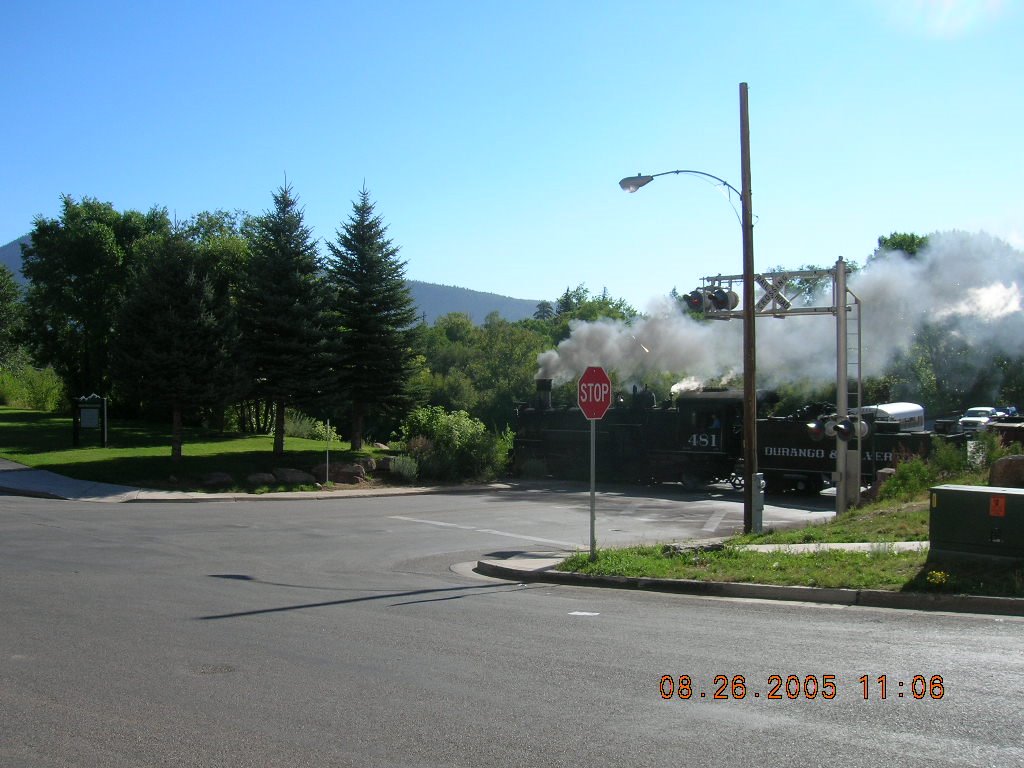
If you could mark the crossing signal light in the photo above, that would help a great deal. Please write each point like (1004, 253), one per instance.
(816, 430)
(711, 300)
(722, 299)
(696, 301)
(845, 430)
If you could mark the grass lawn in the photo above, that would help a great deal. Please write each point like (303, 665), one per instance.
(882, 522)
(139, 454)
(880, 568)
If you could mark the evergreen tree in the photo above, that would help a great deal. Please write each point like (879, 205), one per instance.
(374, 316)
(545, 311)
(176, 332)
(281, 309)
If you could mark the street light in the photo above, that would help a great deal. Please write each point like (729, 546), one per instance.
(632, 184)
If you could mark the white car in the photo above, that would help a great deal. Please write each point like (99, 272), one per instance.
(978, 418)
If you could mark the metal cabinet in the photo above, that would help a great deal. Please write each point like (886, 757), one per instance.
(977, 520)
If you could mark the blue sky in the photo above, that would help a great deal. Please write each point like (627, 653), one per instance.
(492, 134)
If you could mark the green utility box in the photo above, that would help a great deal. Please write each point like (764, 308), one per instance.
(977, 520)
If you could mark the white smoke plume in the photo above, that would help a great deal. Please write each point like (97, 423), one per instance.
(971, 282)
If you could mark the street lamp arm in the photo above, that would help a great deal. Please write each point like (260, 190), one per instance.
(633, 183)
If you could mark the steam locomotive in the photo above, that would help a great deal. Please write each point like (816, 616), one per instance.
(697, 439)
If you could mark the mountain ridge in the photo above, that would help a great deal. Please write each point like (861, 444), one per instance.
(432, 299)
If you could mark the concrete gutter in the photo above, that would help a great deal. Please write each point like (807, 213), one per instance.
(20, 480)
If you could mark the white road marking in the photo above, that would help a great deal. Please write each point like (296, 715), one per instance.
(583, 613)
(433, 522)
(714, 521)
(565, 544)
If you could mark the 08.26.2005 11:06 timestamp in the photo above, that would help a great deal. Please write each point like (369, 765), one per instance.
(793, 687)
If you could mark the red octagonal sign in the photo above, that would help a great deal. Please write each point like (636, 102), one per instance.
(594, 393)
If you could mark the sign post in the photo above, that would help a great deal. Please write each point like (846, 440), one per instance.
(594, 396)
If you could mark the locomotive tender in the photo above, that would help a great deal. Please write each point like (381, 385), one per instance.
(697, 439)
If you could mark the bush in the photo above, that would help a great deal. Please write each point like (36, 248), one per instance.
(987, 448)
(454, 446)
(405, 467)
(947, 459)
(324, 433)
(910, 479)
(37, 389)
(298, 424)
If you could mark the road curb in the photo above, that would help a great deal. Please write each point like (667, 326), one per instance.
(158, 497)
(31, 493)
(129, 495)
(869, 598)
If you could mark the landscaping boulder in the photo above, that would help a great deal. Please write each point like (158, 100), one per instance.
(367, 462)
(340, 473)
(216, 480)
(257, 479)
(1007, 472)
(293, 476)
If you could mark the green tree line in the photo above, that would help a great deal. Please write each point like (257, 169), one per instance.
(223, 317)
(234, 319)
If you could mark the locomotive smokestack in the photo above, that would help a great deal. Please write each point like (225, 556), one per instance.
(544, 394)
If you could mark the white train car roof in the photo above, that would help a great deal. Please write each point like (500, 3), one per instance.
(905, 413)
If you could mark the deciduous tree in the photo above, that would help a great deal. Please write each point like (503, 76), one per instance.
(78, 267)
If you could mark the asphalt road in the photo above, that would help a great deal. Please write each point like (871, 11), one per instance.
(338, 633)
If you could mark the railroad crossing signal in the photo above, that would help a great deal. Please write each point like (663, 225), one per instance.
(713, 299)
(844, 429)
(594, 393)
(773, 291)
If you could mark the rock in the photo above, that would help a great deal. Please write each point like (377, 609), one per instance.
(216, 480)
(367, 462)
(260, 478)
(340, 473)
(381, 447)
(1007, 472)
(384, 463)
(293, 476)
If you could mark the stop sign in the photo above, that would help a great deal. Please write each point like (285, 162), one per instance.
(594, 393)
